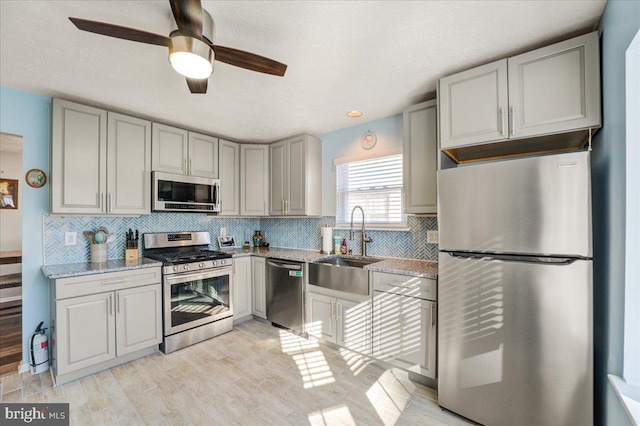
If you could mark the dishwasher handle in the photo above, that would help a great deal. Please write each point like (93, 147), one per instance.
(294, 267)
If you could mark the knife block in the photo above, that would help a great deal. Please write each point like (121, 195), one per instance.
(131, 255)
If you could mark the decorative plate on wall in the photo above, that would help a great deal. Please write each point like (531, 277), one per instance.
(35, 178)
(368, 140)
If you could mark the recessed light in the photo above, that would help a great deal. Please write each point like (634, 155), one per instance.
(354, 114)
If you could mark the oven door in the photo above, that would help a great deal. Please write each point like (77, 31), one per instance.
(194, 299)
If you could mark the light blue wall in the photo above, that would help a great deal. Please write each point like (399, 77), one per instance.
(30, 115)
(618, 26)
(346, 143)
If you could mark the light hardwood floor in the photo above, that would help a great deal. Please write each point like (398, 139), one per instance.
(255, 375)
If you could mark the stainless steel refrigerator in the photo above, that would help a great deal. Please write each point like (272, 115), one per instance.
(515, 336)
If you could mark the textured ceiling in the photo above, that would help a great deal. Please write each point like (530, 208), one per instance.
(374, 56)
(10, 143)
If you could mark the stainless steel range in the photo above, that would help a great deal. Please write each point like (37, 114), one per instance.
(197, 287)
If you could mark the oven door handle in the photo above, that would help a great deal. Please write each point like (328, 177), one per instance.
(183, 278)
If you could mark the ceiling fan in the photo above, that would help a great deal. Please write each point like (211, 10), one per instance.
(191, 48)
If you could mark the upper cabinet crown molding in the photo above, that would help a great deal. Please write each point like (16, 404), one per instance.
(420, 153)
(296, 176)
(179, 151)
(100, 161)
(551, 90)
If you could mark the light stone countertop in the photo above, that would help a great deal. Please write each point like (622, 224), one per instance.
(77, 269)
(412, 267)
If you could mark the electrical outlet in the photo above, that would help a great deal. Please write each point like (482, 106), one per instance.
(70, 238)
(223, 232)
(432, 237)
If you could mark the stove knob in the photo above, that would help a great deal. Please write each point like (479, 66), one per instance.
(201, 265)
(185, 268)
(214, 263)
(175, 269)
(223, 262)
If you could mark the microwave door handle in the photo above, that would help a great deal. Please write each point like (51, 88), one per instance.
(218, 195)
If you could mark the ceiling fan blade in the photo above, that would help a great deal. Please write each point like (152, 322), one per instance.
(188, 16)
(197, 86)
(249, 61)
(118, 31)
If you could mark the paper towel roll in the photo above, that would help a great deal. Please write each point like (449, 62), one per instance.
(327, 239)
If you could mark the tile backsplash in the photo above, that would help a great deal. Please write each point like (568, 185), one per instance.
(303, 233)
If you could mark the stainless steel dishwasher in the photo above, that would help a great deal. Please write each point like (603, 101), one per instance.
(285, 294)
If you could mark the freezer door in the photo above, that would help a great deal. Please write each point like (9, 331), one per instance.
(515, 341)
(538, 205)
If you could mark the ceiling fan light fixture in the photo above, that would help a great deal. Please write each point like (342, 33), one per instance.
(191, 57)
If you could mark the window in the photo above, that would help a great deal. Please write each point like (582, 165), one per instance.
(375, 185)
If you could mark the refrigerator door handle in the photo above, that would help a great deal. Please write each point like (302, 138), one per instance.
(515, 258)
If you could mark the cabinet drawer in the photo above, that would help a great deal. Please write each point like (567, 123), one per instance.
(423, 288)
(110, 281)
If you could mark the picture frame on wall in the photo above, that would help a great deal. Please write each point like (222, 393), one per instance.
(8, 193)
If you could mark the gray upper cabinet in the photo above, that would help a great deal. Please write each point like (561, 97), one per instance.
(128, 165)
(170, 149)
(229, 153)
(179, 151)
(78, 158)
(101, 161)
(554, 89)
(296, 177)
(420, 150)
(473, 106)
(254, 180)
(203, 155)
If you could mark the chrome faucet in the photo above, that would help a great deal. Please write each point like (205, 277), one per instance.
(365, 239)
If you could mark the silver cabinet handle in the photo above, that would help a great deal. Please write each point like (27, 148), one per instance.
(337, 305)
(503, 129)
(185, 167)
(404, 201)
(286, 203)
(118, 302)
(333, 305)
(116, 281)
(110, 204)
(102, 201)
(283, 210)
(431, 326)
(111, 304)
(190, 165)
(513, 120)
(400, 284)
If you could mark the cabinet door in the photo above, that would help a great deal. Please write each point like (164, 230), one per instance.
(295, 181)
(230, 178)
(321, 314)
(241, 287)
(277, 173)
(203, 155)
(78, 158)
(420, 153)
(404, 332)
(555, 88)
(473, 106)
(254, 180)
(128, 165)
(86, 331)
(138, 318)
(258, 278)
(169, 149)
(354, 325)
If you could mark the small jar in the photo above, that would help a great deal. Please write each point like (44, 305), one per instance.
(257, 239)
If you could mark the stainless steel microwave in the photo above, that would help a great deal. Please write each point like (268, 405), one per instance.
(182, 193)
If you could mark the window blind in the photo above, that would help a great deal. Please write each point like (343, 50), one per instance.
(375, 185)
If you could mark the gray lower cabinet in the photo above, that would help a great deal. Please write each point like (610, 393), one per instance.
(98, 321)
(241, 291)
(258, 279)
(340, 320)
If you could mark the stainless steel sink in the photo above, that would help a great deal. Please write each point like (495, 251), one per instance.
(341, 273)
